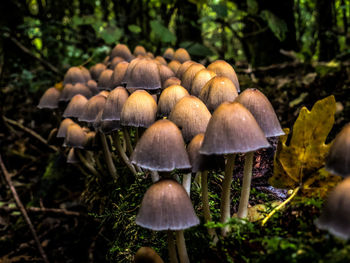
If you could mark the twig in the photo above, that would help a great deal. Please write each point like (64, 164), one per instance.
(22, 209)
(43, 210)
(31, 132)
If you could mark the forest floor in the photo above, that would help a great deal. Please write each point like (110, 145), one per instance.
(83, 219)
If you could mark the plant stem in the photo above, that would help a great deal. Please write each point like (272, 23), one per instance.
(226, 192)
(181, 247)
(247, 179)
(171, 247)
(295, 191)
(122, 153)
(186, 183)
(86, 163)
(108, 157)
(128, 141)
(205, 201)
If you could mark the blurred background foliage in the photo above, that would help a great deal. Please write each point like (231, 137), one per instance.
(54, 35)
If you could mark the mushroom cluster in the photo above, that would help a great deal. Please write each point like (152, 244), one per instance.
(156, 115)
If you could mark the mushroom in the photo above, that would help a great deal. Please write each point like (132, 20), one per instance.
(75, 136)
(171, 81)
(139, 50)
(335, 216)
(74, 75)
(92, 85)
(49, 100)
(147, 255)
(86, 73)
(75, 107)
(181, 55)
(118, 74)
(169, 53)
(191, 116)
(338, 159)
(222, 68)
(62, 130)
(123, 51)
(71, 157)
(189, 74)
(200, 79)
(169, 97)
(92, 108)
(115, 61)
(174, 65)
(233, 129)
(69, 91)
(184, 66)
(216, 91)
(96, 70)
(161, 60)
(105, 80)
(165, 73)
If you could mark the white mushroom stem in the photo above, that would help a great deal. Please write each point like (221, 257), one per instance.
(155, 176)
(226, 193)
(86, 163)
(181, 247)
(108, 157)
(171, 247)
(122, 153)
(186, 183)
(127, 141)
(247, 178)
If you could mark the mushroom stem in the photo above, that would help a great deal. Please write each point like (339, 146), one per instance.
(205, 201)
(171, 247)
(247, 178)
(127, 140)
(86, 163)
(181, 247)
(226, 191)
(108, 157)
(155, 176)
(186, 183)
(122, 153)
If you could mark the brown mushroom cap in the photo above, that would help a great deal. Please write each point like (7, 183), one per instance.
(49, 100)
(114, 104)
(62, 130)
(123, 51)
(222, 68)
(171, 81)
(216, 91)
(174, 65)
(338, 159)
(181, 55)
(139, 110)
(69, 91)
(74, 75)
(232, 129)
(189, 74)
(105, 80)
(92, 85)
(104, 93)
(140, 50)
(200, 79)
(150, 55)
(96, 70)
(147, 255)
(92, 108)
(169, 53)
(182, 69)
(165, 73)
(118, 74)
(161, 60)
(75, 107)
(169, 97)
(144, 75)
(191, 116)
(201, 162)
(115, 61)
(166, 205)
(336, 215)
(75, 137)
(262, 110)
(161, 148)
(86, 73)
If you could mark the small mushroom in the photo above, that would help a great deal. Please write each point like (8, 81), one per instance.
(75, 137)
(139, 50)
(105, 80)
(69, 91)
(118, 74)
(184, 66)
(161, 60)
(96, 70)
(181, 55)
(114, 104)
(174, 65)
(189, 74)
(92, 108)
(74, 75)
(62, 130)
(224, 69)
(200, 79)
(115, 61)
(123, 51)
(147, 255)
(75, 107)
(169, 53)
(169, 97)
(171, 81)
(50, 99)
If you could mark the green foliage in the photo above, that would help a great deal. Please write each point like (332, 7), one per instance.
(161, 32)
(277, 25)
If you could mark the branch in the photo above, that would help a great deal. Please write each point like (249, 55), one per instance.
(31, 132)
(22, 209)
(44, 210)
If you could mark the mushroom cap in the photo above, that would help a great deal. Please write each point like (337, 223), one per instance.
(169, 53)
(189, 74)
(92, 85)
(115, 61)
(140, 50)
(75, 107)
(71, 157)
(222, 68)
(92, 108)
(50, 98)
(174, 65)
(147, 255)
(169, 97)
(105, 80)
(150, 55)
(139, 110)
(181, 55)
(184, 66)
(165, 73)
(161, 60)
(69, 91)
(336, 215)
(232, 129)
(86, 73)
(75, 137)
(166, 206)
(191, 116)
(114, 104)
(96, 70)
(123, 51)
(161, 148)
(216, 91)
(338, 159)
(201, 162)
(171, 81)
(104, 93)
(262, 110)
(62, 130)
(144, 75)
(74, 75)
(200, 79)
(118, 74)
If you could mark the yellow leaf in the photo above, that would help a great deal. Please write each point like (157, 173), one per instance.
(298, 163)
(59, 85)
(258, 212)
